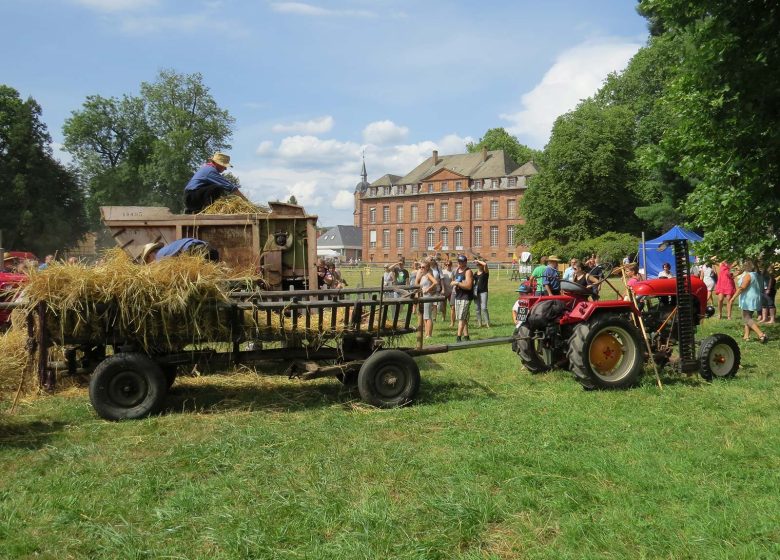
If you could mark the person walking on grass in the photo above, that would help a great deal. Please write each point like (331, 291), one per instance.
(724, 289)
(481, 277)
(749, 294)
(462, 284)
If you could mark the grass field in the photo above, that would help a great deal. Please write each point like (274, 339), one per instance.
(490, 463)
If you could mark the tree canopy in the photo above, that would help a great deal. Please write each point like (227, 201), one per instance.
(41, 205)
(142, 150)
(500, 139)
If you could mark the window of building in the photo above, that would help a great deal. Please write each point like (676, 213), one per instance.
(477, 236)
(458, 185)
(510, 236)
(444, 210)
(399, 238)
(458, 210)
(477, 209)
(430, 211)
(431, 238)
(511, 208)
(372, 215)
(414, 238)
(477, 184)
(444, 237)
(387, 190)
(494, 209)
(399, 214)
(385, 238)
(385, 214)
(430, 187)
(494, 184)
(512, 182)
(415, 215)
(494, 236)
(459, 237)
(444, 187)
(415, 189)
(372, 238)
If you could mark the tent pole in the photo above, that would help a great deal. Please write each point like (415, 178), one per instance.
(644, 254)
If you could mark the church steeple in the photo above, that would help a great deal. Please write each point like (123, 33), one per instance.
(363, 174)
(362, 186)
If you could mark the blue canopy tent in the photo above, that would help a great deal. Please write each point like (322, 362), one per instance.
(656, 259)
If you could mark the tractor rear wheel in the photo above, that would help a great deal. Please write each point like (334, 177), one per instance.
(528, 350)
(606, 353)
(719, 356)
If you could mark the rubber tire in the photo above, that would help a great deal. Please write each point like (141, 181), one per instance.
(708, 346)
(579, 351)
(527, 353)
(389, 362)
(136, 369)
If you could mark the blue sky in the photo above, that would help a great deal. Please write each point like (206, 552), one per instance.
(314, 84)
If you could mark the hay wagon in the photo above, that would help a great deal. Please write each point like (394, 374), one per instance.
(354, 335)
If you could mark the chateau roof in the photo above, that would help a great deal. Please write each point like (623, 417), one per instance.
(387, 180)
(527, 169)
(496, 164)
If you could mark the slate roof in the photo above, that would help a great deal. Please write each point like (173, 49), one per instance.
(497, 164)
(341, 236)
(527, 169)
(387, 180)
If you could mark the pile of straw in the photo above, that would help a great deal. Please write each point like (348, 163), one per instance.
(158, 305)
(233, 205)
(13, 356)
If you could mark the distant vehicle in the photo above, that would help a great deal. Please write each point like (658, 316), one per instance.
(12, 259)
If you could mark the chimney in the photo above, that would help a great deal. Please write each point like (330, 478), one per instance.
(484, 154)
(435, 157)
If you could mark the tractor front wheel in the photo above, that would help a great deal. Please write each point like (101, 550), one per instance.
(528, 350)
(606, 353)
(719, 356)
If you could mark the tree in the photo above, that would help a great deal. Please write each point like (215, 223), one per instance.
(581, 189)
(724, 126)
(500, 139)
(143, 150)
(41, 205)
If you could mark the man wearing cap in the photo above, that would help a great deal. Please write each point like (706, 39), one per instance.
(208, 184)
(463, 284)
(550, 280)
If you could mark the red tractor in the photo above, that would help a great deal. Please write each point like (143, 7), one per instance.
(601, 342)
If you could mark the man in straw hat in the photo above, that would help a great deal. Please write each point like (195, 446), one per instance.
(551, 281)
(208, 184)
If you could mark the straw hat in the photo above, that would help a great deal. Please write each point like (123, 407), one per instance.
(221, 159)
(553, 258)
(148, 248)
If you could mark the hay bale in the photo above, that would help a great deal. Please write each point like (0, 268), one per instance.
(14, 357)
(233, 205)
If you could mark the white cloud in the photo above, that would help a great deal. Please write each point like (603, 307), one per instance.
(319, 125)
(116, 5)
(265, 148)
(181, 23)
(384, 132)
(303, 9)
(344, 200)
(322, 173)
(576, 74)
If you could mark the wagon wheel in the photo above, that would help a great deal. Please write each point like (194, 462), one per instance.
(389, 379)
(719, 356)
(127, 386)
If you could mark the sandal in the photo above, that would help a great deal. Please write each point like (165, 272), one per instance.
(764, 339)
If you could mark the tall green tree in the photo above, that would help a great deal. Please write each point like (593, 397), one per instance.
(724, 109)
(138, 150)
(500, 139)
(41, 205)
(580, 191)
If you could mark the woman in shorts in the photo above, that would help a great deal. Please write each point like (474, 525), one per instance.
(428, 284)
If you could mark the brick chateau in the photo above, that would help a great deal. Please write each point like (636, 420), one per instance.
(448, 204)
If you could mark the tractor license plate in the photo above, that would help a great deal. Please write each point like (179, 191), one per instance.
(522, 312)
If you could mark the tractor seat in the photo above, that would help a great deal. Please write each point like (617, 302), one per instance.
(574, 288)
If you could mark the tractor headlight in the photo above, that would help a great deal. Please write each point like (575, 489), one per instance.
(709, 312)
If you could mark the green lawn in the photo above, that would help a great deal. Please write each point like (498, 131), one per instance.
(490, 463)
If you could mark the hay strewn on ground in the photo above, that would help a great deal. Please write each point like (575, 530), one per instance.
(14, 356)
(234, 205)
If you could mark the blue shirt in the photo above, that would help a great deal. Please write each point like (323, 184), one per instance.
(178, 247)
(551, 279)
(208, 175)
